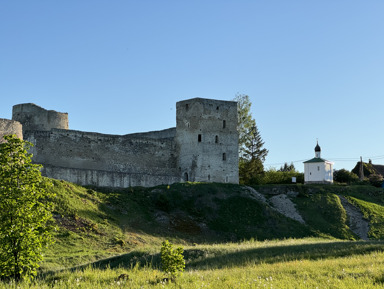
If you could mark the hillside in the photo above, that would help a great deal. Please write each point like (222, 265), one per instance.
(95, 223)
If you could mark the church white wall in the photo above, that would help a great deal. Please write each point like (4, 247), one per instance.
(318, 172)
(329, 172)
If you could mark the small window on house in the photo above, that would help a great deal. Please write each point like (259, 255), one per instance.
(226, 179)
(318, 168)
(224, 124)
(216, 139)
(186, 177)
(199, 138)
(224, 156)
(217, 108)
(209, 177)
(187, 107)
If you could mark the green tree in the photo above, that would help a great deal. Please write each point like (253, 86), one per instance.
(172, 259)
(250, 141)
(245, 122)
(25, 210)
(272, 176)
(250, 171)
(252, 154)
(345, 176)
(287, 168)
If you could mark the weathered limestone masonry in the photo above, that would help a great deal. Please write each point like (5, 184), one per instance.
(34, 117)
(8, 126)
(202, 147)
(207, 138)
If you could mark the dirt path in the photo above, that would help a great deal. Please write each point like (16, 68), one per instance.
(357, 223)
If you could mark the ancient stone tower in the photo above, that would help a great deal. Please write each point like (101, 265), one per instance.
(207, 138)
(34, 117)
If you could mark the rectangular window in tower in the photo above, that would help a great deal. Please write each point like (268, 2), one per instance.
(187, 107)
(224, 124)
(199, 138)
(318, 168)
(224, 156)
(216, 139)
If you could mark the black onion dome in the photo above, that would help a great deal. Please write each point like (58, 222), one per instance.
(317, 148)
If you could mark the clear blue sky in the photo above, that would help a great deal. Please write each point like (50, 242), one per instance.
(313, 69)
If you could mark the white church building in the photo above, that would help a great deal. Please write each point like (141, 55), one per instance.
(318, 170)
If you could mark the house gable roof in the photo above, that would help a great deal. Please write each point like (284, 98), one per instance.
(368, 169)
(379, 169)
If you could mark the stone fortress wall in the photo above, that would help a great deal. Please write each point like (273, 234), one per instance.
(198, 149)
(104, 160)
(8, 126)
(36, 118)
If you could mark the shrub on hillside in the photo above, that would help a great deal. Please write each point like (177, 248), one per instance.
(376, 180)
(172, 259)
(345, 176)
(272, 176)
(249, 171)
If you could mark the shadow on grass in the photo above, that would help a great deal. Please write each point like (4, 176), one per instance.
(206, 259)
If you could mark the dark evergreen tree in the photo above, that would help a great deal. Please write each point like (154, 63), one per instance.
(251, 151)
(287, 168)
(250, 141)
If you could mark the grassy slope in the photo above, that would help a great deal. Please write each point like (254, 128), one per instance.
(98, 223)
(300, 263)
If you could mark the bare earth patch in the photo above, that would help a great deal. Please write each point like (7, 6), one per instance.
(357, 223)
(286, 207)
(252, 193)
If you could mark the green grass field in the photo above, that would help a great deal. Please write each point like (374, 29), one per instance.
(292, 263)
(231, 240)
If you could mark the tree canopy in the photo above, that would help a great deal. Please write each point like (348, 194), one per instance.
(252, 154)
(250, 141)
(287, 168)
(25, 209)
(345, 176)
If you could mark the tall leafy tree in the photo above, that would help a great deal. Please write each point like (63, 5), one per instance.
(250, 141)
(25, 209)
(252, 154)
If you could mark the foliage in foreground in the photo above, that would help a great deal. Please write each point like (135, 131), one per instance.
(274, 177)
(172, 259)
(25, 210)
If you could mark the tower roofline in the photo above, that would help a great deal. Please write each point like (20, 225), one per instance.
(206, 100)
